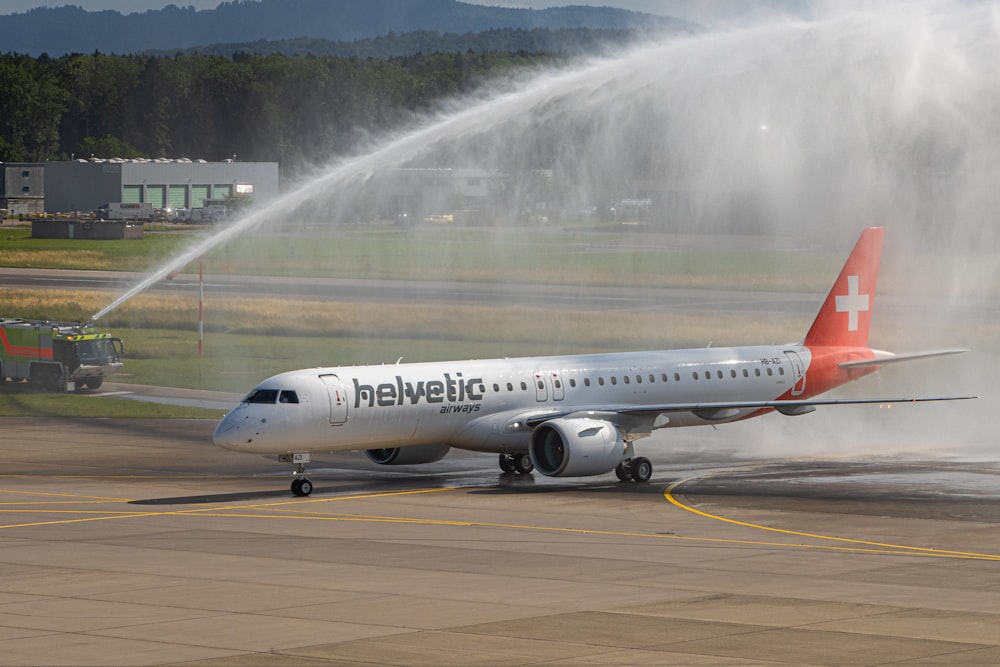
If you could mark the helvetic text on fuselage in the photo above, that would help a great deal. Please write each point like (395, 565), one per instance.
(450, 390)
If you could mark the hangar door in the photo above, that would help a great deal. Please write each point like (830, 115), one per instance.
(178, 196)
(132, 194)
(199, 193)
(156, 195)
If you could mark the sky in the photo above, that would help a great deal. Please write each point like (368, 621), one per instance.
(702, 11)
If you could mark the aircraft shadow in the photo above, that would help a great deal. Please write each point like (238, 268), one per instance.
(215, 498)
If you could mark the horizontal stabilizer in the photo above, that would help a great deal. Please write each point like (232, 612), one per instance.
(883, 358)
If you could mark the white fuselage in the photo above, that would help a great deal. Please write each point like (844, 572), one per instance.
(482, 404)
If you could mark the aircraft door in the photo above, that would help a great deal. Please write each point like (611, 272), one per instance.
(546, 382)
(338, 399)
(799, 369)
(558, 392)
(541, 390)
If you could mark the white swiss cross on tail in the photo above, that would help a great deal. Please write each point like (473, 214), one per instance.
(852, 303)
(853, 294)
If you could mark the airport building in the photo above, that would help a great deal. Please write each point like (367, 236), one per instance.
(22, 188)
(85, 185)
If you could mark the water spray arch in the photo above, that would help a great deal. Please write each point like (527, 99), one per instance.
(885, 116)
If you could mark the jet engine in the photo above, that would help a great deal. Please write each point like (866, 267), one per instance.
(576, 447)
(401, 456)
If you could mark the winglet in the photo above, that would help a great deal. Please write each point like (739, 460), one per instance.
(845, 318)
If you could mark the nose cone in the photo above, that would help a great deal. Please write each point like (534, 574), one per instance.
(243, 429)
(226, 432)
(238, 430)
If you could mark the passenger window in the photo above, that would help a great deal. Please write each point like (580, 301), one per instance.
(496, 388)
(262, 396)
(652, 378)
(600, 381)
(677, 377)
(781, 370)
(770, 371)
(626, 379)
(695, 375)
(719, 373)
(708, 375)
(558, 384)
(541, 385)
(524, 386)
(746, 373)
(510, 387)
(638, 379)
(586, 382)
(732, 373)
(756, 372)
(572, 382)
(614, 380)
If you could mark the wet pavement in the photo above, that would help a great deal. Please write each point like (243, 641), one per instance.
(138, 542)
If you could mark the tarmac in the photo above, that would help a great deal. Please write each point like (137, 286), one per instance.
(137, 542)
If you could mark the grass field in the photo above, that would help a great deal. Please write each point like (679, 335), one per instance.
(560, 256)
(19, 250)
(19, 401)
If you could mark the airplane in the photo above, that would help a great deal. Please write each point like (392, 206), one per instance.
(565, 416)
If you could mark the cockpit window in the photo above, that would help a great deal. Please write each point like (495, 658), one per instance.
(262, 396)
(288, 396)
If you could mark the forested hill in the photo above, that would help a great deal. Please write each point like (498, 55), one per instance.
(566, 41)
(70, 29)
(296, 111)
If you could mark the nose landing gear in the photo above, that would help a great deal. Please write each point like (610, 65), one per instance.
(300, 485)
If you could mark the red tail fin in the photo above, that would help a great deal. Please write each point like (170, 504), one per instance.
(846, 314)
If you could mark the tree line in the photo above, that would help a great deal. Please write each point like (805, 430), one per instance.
(298, 111)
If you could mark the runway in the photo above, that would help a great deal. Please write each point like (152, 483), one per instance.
(134, 542)
(569, 297)
(634, 298)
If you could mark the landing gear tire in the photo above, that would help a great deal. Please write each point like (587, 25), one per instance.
(301, 487)
(507, 463)
(641, 469)
(523, 464)
(624, 472)
(94, 382)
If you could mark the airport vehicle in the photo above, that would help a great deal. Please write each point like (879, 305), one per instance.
(130, 211)
(564, 416)
(57, 356)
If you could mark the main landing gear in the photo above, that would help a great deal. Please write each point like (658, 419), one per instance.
(639, 469)
(519, 463)
(300, 485)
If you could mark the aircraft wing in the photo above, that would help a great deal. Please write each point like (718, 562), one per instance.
(728, 409)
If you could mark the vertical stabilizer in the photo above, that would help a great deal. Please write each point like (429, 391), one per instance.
(846, 315)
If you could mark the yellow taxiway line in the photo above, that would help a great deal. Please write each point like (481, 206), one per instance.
(311, 509)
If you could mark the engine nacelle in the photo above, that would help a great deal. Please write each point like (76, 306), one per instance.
(576, 447)
(401, 456)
